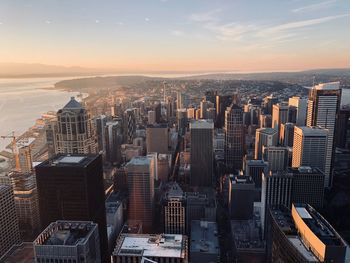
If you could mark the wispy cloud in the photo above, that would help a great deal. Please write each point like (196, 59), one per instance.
(209, 16)
(314, 7)
(177, 33)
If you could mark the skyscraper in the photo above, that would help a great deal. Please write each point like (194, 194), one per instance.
(234, 137)
(202, 132)
(75, 130)
(100, 123)
(222, 102)
(309, 147)
(264, 137)
(113, 140)
(323, 107)
(279, 115)
(157, 138)
(300, 104)
(70, 187)
(276, 157)
(287, 134)
(129, 125)
(141, 175)
(9, 231)
(255, 169)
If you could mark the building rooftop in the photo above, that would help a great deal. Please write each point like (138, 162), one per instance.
(73, 104)
(139, 160)
(66, 233)
(304, 170)
(240, 179)
(312, 131)
(23, 253)
(328, 86)
(62, 160)
(202, 124)
(268, 131)
(204, 237)
(299, 245)
(148, 245)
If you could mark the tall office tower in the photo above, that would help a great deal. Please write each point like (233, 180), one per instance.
(309, 148)
(300, 104)
(265, 121)
(26, 201)
(70, 187)
(182, 121)
(158, 111)
(222, 102)
(210, 95)
(323, 108)
(202, 133)
(75, 130)
(303, 235)
(114, 140)
(151, 117)
(277, 157)
(100, 123)
(255, 169)
(170, 108)
(191, 113)
(308, 186)
(25, 154)
(179, 100)
(211, 114)
(242, 198)
(157, 138)
(292, 114)
(268, 102)
(141, 175)
(264, 137)
(68, 241)
(279, 115)
(50, 132)
(138, 248)
(174, 205)
(204, 105)
(117, 109)
(276, 190)
(234, 137)
(198, 114)
(342, 137)
(129, 125)
(287, 134)
(9, 231)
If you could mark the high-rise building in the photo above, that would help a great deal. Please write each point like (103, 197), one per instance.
(280, 113)
(179, 100)
(255, 169)
(9, 231)
(141, 175)
(242, 198)
(158, 111)
(165, 248)
(234, 137)
(323, 108)
(75, 130)
(308, 186)
(129, 125)
(25, 154)
(70, 187)
(268, 103)
(303, 235)
(157, 138)
(300, 104)
(309, 147)
(191, 113)
(287, 134)
(100, 123)
(113, 140)
(276, 157)
(342, 137)
(202, 133)
(68, 241)
(151, 117)
(26, 201)
(181, 116)
(265, 121)
(222, 102)
(264, 137)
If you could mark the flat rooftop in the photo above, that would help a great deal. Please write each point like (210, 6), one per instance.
(202, 124)
(204, 237)
(139, 160)
(66, 233)
(268, 131)
(299, 245)
(328, 86)
(312, 131)
(23, 253)
(165, 245)
(304, 170)
(63, 160)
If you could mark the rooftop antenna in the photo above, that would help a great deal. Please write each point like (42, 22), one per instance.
(313, 80)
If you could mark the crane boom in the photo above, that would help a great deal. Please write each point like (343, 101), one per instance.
(14, 149)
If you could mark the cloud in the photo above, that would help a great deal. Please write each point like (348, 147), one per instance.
(314, 7)
(210, 16)
(97, 21)
(231, 31)
(147, 19)
(177, 33)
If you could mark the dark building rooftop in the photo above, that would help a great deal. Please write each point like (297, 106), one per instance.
(64, 160)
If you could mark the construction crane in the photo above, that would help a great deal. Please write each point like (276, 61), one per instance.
(15, 151)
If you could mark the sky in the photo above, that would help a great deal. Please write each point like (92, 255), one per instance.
(177, 35)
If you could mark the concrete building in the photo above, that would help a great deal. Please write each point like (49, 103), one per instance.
(157, 138)
(163, 167)
(268, 103)
(242, 198)
(300, 104)
(277, 157)
(265, 121)
(287, 134)
(68, 241)
(129, 120)
(310, 147)
(234, 137)
(280, 113)
(113, 140)
(204, 245)
(75, 131)
(323, 108)
(100, 123)
(181, 115)
(151, 117)
(266, 137)
(70, 187)
(255, 169)
(141, 175)
(9, 230)
(21, 253)
(114, 219)
(202, 133)
(165, 248)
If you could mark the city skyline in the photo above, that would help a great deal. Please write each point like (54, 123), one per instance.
(168, 35)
